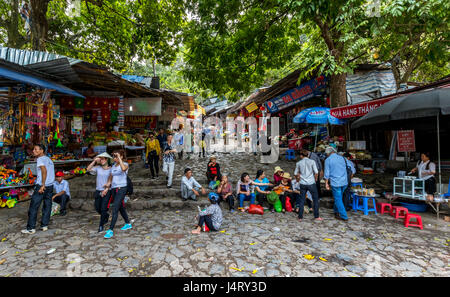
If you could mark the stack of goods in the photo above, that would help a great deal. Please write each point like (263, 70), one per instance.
(9, 178)
(103, 138)
(62, 157)
(78, 171)
(364, 192)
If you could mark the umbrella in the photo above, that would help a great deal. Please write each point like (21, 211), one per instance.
(317, 115)
(429, 103)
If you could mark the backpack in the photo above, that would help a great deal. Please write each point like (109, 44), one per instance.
(129, 186)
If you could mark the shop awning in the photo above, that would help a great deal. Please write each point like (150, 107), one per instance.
(36, 81)
(358, 110)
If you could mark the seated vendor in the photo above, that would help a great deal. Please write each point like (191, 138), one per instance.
(90, 151)
(426, 170)
(62, 192)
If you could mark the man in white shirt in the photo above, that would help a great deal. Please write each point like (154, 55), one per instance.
(43, 191)
(307, 170)
(190, 187)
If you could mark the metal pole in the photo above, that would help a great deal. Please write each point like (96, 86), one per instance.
(439, 154)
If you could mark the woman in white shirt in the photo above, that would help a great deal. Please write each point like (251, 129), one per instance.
(426, 170)
(102, 189)
(119, 172)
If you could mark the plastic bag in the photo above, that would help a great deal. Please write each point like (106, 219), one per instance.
(278, 206)
(55, 209)
(272, 197)
(256, 209)
(213, 184)
(288, 204)
(205, 228)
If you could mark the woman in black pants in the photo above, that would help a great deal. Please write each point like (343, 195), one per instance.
(119, 189)
(102, 189)
(153, 152)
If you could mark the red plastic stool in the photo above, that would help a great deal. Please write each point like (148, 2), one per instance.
(418, 219)
(384, 207)
(399, 212)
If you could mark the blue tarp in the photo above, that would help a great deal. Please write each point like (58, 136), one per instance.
(32, 80)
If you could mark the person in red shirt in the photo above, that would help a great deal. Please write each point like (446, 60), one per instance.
(213, 170)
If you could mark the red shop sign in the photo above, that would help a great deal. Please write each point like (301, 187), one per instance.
(357, 110)
(406, 141)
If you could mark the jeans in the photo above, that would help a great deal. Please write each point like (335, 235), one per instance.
(229, 199)
(62, 200)
(118, 195)
(168, 170)
(296, 197)
(36, 200)
(338, 204)
(243, 197)
(319, 190)
(153, 163)
(101, 206)
(188, 194)
(206, 220)
(313, 190)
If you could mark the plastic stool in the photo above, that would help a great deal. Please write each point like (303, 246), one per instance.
(354, 185)
(290, 154)
(399, 212)
(384, 207)
(365, 207)
(418, 219)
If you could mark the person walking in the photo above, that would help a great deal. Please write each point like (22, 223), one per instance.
(162, 137)
(153, 152)
(336, 179)
(178, 139)
(119, 186)
(169, 160)
(313, 156)
(346, 196)
(43, 191)
(102, 192)
(307, 170)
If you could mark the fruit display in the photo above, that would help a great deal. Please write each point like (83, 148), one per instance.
(61, 157)
(103, 138)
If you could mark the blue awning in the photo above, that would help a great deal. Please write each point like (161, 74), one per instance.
(33, 80)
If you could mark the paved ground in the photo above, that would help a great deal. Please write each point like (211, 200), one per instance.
(275, 244)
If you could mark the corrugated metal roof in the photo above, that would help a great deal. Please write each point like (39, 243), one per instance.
(25, 57)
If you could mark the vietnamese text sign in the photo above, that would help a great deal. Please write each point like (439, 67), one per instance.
(406, 141)
(357, 110)
(296, 95)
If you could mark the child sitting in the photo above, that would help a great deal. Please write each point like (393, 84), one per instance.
(62, 196)
(213, 170)
(211, 216)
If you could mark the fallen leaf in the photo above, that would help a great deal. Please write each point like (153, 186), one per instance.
(4, 252)
(323, 259)
(4, 239)
(2, 261)
(149, 259)
(254, 271)
(131, 270)
(329, 239)
(237, 268)
(119, 259)
(227, 234)
(223, 231)
(309, 257)
(177, 211)
(253, 243)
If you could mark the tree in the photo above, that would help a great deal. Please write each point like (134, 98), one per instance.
(11, 24)
(414, 36)
(231, 44)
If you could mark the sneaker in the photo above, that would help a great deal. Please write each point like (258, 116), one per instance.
(45, 228)
(126, 227)
(109, 234)
(26, 231)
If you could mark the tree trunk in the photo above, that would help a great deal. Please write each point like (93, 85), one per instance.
(39, 24)
(15, 39)
(338, 90)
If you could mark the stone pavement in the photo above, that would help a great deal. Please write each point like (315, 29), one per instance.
(274, 244)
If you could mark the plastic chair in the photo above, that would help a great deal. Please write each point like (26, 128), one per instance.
(290, 154)
(384, 207)
(354, 185)
(365, 205)
(399, 212)
(418, 219)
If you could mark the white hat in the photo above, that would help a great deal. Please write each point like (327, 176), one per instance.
(330, 150)
(104, 155)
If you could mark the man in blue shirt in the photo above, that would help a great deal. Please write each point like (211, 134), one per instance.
(336, 177)
(62, 192)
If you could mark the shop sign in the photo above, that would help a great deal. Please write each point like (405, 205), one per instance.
(357, 110)
(140, 121)
(296, 95)
(406, 141)
(251, 107)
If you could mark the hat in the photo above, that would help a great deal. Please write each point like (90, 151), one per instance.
(212, 157)
(213, 197)
(278, 168)
(104, 155)
(59, 174)
(330, 150)
(286, 175)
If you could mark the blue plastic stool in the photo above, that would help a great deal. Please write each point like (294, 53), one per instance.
(365, 207)
(290, 154)
(357, 185)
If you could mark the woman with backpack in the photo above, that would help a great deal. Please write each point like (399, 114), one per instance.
(119, 188)
(426, 170)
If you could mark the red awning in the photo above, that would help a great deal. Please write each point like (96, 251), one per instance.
(358, 110)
